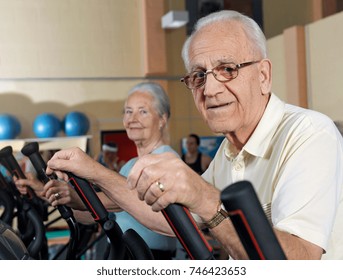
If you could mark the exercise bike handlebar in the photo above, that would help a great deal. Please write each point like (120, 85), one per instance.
(13, 167)
(99, 213)
(250, 222)
(84, 189)
(31, 150)
(186, 230)
(6, 154)
(177, 216)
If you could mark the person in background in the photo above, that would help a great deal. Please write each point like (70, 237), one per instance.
(109, 156)
(193, 157)
(31, 181)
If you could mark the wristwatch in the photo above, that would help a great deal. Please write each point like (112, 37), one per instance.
(220, 216)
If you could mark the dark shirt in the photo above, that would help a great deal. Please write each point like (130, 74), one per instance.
(196, 166)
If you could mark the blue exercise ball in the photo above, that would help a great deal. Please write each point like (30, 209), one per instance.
(75, 124)
(10, 127)
(46, 125)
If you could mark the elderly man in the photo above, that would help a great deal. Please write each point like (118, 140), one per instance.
(292, 156)
(275, 146)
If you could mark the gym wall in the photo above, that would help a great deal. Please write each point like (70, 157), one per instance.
(61, 56)
(313, 71)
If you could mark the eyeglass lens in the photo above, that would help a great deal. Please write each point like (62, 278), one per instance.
(222, 73)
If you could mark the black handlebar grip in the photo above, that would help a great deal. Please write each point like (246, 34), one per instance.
(7, 154)
(9, 161)
(94, 205)
(186, 230)
(250, 222)
(83, 188)
(89, 197)
(31, 150)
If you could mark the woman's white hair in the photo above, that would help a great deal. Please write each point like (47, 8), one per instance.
(157, 92)
(252, 30)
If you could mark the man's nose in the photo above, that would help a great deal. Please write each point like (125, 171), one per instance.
(212, 86)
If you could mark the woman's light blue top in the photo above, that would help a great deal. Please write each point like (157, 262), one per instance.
(126, 221)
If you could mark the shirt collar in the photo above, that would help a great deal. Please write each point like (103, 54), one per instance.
(259, 141)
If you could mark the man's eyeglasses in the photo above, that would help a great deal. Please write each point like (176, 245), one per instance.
(222, 73)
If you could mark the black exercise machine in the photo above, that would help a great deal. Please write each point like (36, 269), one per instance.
(6, 202)
(31, 210)
(122, 245)
(11, 246)
(250, 222)
(187, 232)
(239, 199)
(31, 150)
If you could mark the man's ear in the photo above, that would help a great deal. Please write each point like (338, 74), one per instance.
(265, 76)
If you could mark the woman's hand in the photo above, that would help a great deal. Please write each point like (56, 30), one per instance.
(58, 192)
(30, 181)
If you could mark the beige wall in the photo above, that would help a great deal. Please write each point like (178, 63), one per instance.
(325, 60)
(79, 38)
(61, 56)
(276, 53)
(280, 14)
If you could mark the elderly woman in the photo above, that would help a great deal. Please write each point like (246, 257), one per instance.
(146, 114)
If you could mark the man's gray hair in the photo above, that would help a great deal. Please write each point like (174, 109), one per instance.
(252, 30)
